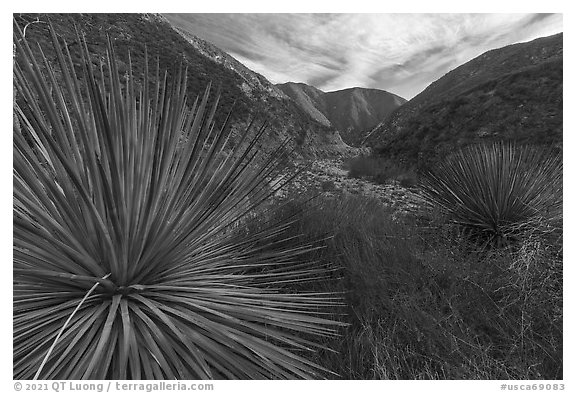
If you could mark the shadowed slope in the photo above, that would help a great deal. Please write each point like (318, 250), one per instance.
(511, 93)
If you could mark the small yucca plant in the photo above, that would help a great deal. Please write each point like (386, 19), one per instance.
(498, 191)
(128, 263)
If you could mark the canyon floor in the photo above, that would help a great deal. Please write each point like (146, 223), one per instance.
(329, 176)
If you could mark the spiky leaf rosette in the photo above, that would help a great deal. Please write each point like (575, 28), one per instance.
(128, 261)
(498, 190)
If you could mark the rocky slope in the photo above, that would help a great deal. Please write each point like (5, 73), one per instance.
(351, 111)
(250, 94)
(511, 93)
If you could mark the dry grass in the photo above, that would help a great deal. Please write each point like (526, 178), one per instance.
(421, 304)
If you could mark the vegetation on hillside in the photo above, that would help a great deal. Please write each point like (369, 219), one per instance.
(509, 94)
(524, 107)
(140, 36)
(135, 38)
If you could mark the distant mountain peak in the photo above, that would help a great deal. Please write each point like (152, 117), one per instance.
(351, 111)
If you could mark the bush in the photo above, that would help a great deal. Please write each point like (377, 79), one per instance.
(498, 191)
(379, 170)
(408, 180)
(328, 185)
(127, 259)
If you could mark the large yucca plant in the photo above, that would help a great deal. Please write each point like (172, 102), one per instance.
(128, 259)
(497, 191)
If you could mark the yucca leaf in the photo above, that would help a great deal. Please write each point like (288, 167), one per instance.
(129, 256)
(496, 190)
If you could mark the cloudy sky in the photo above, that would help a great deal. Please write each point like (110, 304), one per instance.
(400, 53)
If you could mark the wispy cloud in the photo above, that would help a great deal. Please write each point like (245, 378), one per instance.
(401, 53)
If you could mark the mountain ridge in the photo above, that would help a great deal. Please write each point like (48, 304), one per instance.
(511, 93)
(351, 111)
(249, 94)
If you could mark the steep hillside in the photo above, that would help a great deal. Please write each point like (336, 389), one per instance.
(250, 94)
(356, 110)
(309, 98)
(511, 93)
(351, 111)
